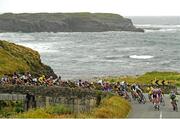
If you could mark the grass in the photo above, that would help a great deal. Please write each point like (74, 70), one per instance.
(48, 112)
(113, 107)
(16, 58)
(147, 78)
(37, 113)
(110, 107)
(8, 108)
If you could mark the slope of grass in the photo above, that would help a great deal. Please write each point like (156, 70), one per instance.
(10, 63)
(147, 78)
(19, 58)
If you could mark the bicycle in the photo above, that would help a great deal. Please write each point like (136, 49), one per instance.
(174, 105)
(140, 98)
(162, 101)
(156, 103)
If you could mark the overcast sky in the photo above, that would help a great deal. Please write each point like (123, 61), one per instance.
(123, 7)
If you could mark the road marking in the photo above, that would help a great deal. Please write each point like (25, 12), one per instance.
(160, 117)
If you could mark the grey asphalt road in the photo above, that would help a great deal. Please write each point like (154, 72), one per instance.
(147, 110)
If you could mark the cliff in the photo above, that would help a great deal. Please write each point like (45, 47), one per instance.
(18, 58)
(65, 22)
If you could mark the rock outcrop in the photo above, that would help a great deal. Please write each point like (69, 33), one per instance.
(16, 58)
(65, 22)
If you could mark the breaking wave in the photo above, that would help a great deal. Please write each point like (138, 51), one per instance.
(141, 56)
(159, 28)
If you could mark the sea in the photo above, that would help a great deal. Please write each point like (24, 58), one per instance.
(85, 55)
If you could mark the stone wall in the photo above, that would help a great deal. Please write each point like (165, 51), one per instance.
(74, 103)
(77, 100)
(14, 97)
(53, 91)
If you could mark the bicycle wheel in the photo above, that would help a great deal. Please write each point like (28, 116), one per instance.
(162, 101)
(176, 107)
(144, 99)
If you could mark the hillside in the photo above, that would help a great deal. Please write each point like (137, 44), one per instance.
(65, 22)
(18, 58)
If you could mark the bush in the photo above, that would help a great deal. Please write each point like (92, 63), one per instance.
(49, 112)
(58, 109)
(113, 107)
(37, 113)
(19, 107)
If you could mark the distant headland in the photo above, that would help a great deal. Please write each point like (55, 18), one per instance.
(65, 22)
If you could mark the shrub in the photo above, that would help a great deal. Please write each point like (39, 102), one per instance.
(49, 112)
(19, 107)
(58, 109)
(113, 107)
(37, 113)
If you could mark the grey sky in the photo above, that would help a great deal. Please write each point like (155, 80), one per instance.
(123, 7)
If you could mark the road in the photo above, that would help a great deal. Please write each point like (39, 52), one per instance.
(147, 110)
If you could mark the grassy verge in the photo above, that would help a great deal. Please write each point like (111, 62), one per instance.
(8, 108)
(171, 77)
(111, 107)
(48, 112)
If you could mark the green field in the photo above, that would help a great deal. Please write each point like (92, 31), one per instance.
(172, 78)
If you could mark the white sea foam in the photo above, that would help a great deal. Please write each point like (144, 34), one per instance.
(40, 47)
(141, 56)
(156, 26)
(167, 30)
(162, 30)
(159, 28)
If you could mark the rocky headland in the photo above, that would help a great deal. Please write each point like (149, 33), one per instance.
(65, 22)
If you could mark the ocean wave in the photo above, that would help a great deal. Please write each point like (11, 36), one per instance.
(111, 57)
(110, 61)
(161, 30)
(141, 56)
(156, 26)
(40, 47)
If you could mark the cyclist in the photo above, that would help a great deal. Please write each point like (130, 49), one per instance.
(174, 99)
(123, 90)
(138, 89)
(150, 89)
(137, 93)
(160, 94)
(156, 93)
(133, 91)
(123, 85)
